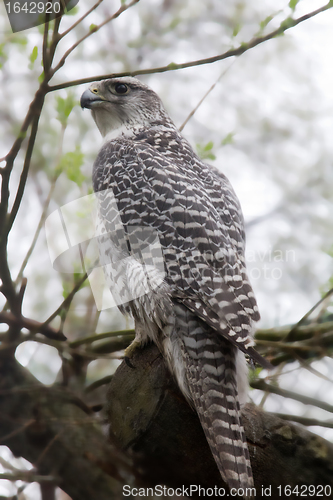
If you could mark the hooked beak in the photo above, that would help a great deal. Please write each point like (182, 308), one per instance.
(88, 99)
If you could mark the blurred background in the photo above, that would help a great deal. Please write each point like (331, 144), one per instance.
(267, 124)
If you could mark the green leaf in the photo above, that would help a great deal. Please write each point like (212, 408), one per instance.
(71, 164)
(66, 288)
(64, 107)
(41, 28)
(22, 135)
(287, 23)
(205, 152)
(72, 11)
(264, 23)
(229, 139)
(3, 55)
(209, 146)
(236, 29)
(93, 27)
(41, 77)
(172, 66)
(33, 56)
(174, 23)
(244, 46)
(78, 277)
(69, 281)
(293, 4)
(19, 40)
(254, 374)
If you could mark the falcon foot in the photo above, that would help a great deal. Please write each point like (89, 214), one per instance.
(129, 352)
(128, 362)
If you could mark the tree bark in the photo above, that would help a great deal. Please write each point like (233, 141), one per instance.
(52, 428)
(153, 422)
(160, 436)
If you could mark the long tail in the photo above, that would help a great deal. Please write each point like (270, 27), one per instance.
(211, 376)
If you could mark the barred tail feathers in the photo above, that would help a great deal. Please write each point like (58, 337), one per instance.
(217, 405)
(210, 371)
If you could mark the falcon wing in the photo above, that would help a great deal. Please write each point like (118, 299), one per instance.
(202, 240)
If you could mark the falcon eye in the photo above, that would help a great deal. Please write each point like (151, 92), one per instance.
(121, 88)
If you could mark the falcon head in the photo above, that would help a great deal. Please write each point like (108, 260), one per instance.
(122, 104)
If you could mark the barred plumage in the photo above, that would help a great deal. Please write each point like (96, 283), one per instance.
(200, 310)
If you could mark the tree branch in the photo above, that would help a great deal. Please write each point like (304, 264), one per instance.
(285, 25)
(263, 386)
(151, 419)
(47, 427)
(46, 54)
(37, 107)
(67, 301)
(38, 230)
(27, 476)
(101, 336)
(93, 30)
(303, 332)
(305, 420)
(291, 334)
(79, 21)
(31, 325)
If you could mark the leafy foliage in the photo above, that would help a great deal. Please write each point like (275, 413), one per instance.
(33, 56)
(206, 152)
(71, 164)
(64, 107)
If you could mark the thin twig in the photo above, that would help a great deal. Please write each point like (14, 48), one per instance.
(282, 346)
(98, 383)
(285, 25)
(67, 301)
(46, 60)
(263, 386)
(17, 431)
(21, 293)
(79, 21)
(31, 325)
(100, 336)
(38, 230)
(7, 288)
(55, 37)
(60, 346)
(307, 366)
(112, 345)
(28, 477)
(47, 448)
(304, 420)
(31, 119)
(204, 97)
(7, 465)
(45, 208)
(39, 101)
(290, 335)
(304, 332)
(93, 30)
